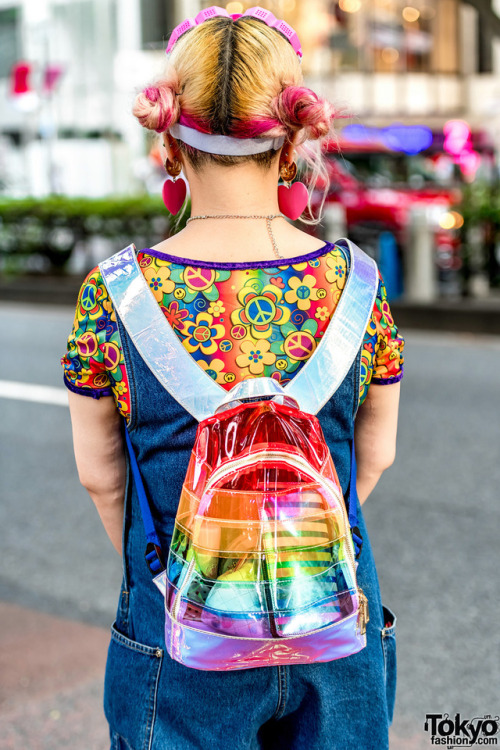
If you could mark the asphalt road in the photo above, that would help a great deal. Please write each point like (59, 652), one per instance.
(433, 518)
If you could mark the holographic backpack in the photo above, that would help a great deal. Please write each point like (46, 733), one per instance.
(261, 568)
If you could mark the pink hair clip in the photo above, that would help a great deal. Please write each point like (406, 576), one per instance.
(190, 23)
(270, 19)
(256, 12)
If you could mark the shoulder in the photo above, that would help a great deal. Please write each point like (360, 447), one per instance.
(93, 299)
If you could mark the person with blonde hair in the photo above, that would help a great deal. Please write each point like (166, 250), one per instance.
(249, 295)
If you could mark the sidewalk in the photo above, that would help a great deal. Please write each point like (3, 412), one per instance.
(51, 685)
(51, 682)
(467, 315)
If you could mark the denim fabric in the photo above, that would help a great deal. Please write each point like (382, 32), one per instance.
(153, 702)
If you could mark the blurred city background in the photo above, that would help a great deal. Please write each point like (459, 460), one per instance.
(414, 180)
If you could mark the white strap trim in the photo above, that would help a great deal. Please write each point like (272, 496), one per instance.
(197, 392)
(329, 364)
(155, 340)
(224, 144)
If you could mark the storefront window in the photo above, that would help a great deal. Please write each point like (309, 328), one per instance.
(380, 36)
(400, 35)
(9, 40)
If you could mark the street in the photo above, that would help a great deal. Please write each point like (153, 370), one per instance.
(433, 521)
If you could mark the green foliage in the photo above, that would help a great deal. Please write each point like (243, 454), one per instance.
(480, 234)
(51, 227)
(480, 202)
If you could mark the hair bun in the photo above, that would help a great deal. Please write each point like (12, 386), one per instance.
(300, 108)
(157, 107)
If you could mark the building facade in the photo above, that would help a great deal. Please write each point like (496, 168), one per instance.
(411, 61)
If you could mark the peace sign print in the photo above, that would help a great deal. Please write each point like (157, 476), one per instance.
(201, 333)
(198, 279)
(299, 345)
(88, 298)
(111, 355)
(100, 380)
(238, 332)
(260, 311)
(87, 344)
(303, 291)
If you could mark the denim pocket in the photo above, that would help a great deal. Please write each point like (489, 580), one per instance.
(119, 743)
(389, 647)
(130, 688)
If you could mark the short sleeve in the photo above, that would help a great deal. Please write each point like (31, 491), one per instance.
(383, 346)
(93, 363)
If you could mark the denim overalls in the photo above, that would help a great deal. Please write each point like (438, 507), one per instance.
(155, 703)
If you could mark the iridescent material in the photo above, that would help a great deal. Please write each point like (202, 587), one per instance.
(261, 568)
(200, 395)
(262, 549)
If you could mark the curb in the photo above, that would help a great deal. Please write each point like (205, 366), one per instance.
(462, 315)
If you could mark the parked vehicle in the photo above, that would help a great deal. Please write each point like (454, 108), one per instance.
(377, 189)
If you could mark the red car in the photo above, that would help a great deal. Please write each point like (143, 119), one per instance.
(377, 188)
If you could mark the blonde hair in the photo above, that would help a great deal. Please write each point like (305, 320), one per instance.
(242, 79)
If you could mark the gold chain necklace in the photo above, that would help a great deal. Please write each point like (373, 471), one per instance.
(268, 219)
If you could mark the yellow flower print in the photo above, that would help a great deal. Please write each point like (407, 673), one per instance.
(336, 271)
(160, 262)
(381, 344)
(216, 308)
(215, 369)
(302, 291)
(108, 307)
(255, 356)
(123, 407)
(120, 388)
(159, 281)
(322, 313)
(336, 296)
(84, 376)
(296, 266)
(261, 309)
(202, 335)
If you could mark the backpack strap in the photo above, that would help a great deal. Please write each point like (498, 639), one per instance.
(153, 554)
(325, 370)
(352, 507)
(155, 339)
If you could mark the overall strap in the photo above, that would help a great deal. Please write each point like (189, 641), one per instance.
(155, 339)
(325, 370)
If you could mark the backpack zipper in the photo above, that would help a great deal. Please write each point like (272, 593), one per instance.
(363, 614)
(269, 600)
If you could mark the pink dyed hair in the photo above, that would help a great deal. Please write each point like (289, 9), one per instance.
(157, 107)
(297, 108)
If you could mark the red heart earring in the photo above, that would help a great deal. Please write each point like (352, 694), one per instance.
(291, 200)
(174, 191)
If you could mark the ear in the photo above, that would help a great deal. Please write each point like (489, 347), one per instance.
(287, 154)
(172, 147)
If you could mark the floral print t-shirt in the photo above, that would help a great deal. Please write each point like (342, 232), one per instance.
(238, 320)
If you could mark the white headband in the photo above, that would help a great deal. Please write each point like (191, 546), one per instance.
(224, 144)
